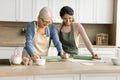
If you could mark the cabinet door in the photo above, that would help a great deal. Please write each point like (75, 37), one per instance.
(24, 10)
(85, 51)
(104, 11)
(37, 5)
(106, 52)
(58, 77)
(118, 24)
(52, 51)
(98, 77)
(102, 52)
(56, 5)
(96, 11)
(7, 52)
(17, 78)
(86, 11)
(7, 10)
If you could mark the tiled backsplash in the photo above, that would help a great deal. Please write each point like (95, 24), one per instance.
(11, 31)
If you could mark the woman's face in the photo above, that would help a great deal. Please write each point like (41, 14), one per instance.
(44, 22)
(67, 19)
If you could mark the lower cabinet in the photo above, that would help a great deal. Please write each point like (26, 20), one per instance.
(102, 52)
(99, 77)
(58, 77)
(102, 76)
(17, 78)
(52, 51)
(7, 52)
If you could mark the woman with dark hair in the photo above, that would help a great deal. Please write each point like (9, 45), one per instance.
(69, 34)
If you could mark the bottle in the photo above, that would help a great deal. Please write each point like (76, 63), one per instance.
(118, 51)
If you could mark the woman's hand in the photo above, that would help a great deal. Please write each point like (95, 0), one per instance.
(95, 56)
(65, 55)
(34, 56)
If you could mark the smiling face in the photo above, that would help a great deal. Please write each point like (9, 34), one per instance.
(67, 19)
(66, 13)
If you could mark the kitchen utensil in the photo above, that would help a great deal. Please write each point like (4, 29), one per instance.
(40, 61)
(116, 61)
(82, 57)
(52, 58)
(16, 57)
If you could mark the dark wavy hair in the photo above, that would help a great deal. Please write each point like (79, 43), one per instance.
(66, 10)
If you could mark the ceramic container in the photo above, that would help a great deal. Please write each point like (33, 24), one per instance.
(17, 60)
(116, 61)
(40, 61)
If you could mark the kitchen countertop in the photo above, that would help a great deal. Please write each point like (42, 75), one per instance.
(21, 44)
(62, 67)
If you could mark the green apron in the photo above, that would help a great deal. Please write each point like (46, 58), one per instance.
(68, 42)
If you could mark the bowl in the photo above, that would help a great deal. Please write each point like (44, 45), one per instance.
(116, 61)
(40, 61)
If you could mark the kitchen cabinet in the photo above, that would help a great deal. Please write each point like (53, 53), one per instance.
(52, 51)
(103, 52)
(103, 11)
(118, 24)
(99, 77)
(85, 11)
(59, 77)
(56, 5)
(28, 10)
(95, 11)
(7, 52)
(17, 78)
(24, 10)
(21, 10)
(37, 5)
(7, 10)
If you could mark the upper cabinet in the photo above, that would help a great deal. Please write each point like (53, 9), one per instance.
(24, 10)
(118, 23)
(37, 5)
(103, 11)
(85, 11)
(56, 5)
(28, 10)
(7, 10)
(95, 11)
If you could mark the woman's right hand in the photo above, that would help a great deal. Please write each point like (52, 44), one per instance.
(34, 56)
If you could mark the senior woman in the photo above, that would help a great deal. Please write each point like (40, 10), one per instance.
(69, 34)
(39, 35)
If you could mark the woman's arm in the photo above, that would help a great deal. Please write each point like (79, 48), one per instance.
(55, 38)
(29, 37)
(85, 38)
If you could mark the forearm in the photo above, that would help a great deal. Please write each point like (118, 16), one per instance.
(86, 40)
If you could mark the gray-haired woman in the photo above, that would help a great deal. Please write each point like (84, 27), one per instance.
(39, 35)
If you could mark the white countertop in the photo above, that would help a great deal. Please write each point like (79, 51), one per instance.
(63, 67)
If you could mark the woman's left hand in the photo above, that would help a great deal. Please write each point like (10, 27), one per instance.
(95, 56)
